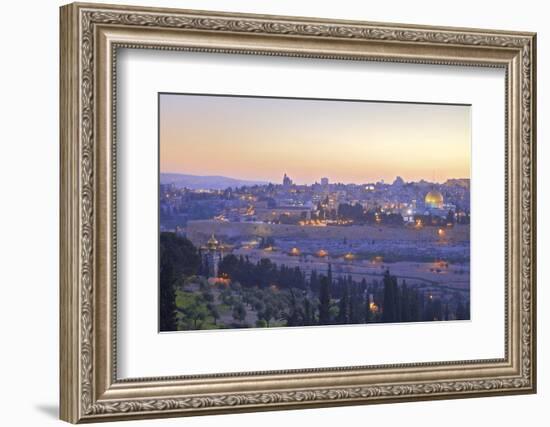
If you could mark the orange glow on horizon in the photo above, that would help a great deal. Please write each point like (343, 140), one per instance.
(350, 142)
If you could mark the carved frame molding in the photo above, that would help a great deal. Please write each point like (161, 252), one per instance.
(90, 390)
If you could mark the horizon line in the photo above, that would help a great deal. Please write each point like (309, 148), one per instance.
(315, 182)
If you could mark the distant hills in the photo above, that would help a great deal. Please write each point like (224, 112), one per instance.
(196, 182)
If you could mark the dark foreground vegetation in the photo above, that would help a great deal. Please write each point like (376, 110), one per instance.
(246, 294)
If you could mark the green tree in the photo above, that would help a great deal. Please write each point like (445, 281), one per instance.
(446, 312)
(229, 265)
(462, 311)
(214, 312)
(239, 312)
(314, 282)
(197, 312)
(265, 272)
(389, 313)
(181, 253)
(167, 294)
(208, 296)
(356, 311)
(309, 312)
(293, 314)
(178, 258)
(414, 305)
(261, 323)
(405, 305)
(324, 301)
(267, 313)
(344, 305)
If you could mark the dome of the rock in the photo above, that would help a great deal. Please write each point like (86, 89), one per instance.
(434, 199)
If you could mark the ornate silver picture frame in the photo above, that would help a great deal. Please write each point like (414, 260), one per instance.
(91, 37)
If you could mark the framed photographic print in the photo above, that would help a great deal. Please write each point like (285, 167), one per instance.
(342, 239)
(264, 212)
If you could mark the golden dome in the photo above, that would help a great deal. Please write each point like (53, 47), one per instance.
(212, 242)
(434, 199)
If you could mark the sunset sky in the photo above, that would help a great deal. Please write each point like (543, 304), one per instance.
(350, 142)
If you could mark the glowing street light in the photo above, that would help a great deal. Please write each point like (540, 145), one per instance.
(322, 253)
(349, 256)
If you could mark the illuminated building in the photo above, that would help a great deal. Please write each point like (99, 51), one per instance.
(434, 200)
(321, 253)
(332, 201)
(295, 252)
(294, 213)
(287, 182)
(349, 256)
(435, 206)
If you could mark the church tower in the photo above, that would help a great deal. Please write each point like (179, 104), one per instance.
(212, 256)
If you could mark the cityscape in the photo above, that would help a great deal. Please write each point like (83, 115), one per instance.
(256, 252)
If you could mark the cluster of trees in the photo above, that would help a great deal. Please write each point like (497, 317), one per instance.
(346, 211)
(266, 242)
(262, 273)
(450, 218)
(288, 306)
(196, 309)
(324, 300)
(356, 213)
(178, 258)
(436, 220)
(386, 302)
(287, 295)
(404, 304)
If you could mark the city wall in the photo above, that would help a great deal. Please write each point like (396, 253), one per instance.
(200, 231)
